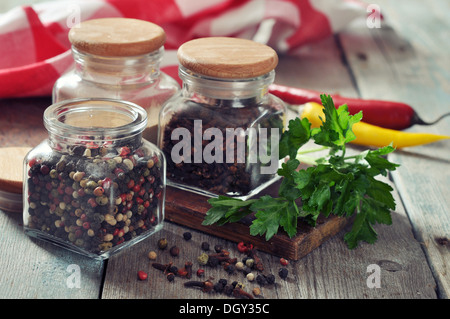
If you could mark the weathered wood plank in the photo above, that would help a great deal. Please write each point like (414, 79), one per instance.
(331, 271)
(32, 269)
(407, 60)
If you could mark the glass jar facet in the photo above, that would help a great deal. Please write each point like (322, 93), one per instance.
(220, 136)
(95, 186)
(137, 79)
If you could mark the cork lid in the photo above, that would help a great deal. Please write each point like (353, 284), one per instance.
(11, 164)
(226, 57)
(117, 37)
(11, 177)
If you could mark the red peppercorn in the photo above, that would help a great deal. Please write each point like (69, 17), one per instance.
(117, 171)
(91, 145)
(124, 151)
(45, 169)
(68, 190)
(284, 261)
(130, 184)
(243, 248)
(81, 192)
(136, 188)
(86, 225)
(200, 272)
(92, 202)
(32, 162)
(99, 191)
(142, 275)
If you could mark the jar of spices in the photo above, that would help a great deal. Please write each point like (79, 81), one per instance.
(95, 186)
(118, 58)
(220, 133)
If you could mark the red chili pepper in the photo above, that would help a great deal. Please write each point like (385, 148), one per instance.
(388, 114)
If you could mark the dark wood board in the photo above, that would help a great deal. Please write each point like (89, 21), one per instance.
(189, 209)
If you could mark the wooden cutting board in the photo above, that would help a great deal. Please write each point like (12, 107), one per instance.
(189, 209)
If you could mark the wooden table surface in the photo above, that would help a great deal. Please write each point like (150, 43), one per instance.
(407, 60)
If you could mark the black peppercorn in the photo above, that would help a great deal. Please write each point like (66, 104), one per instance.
(218, 248)
(170, 276)
(283, 273)
(213, 261)
(205, 246)
(219, 287)
(174, 251)
(229, 269)
(261, 280)
(223, 281)
(187, 236)
(270, 279)
(173, 269)
(228, 290)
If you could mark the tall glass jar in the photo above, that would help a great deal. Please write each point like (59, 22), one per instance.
(220, 134)
(95, 186)
(118, 58)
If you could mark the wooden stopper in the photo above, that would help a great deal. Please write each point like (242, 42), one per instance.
(11, 168)
(117, 37)
(227, 58)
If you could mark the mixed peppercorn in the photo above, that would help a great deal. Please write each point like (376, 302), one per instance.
(94, 198)
(250, 266)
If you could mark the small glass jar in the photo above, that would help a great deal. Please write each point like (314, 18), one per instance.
(95, 186)
(220, 134)
(118, 58)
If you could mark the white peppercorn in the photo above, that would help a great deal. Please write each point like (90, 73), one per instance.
(250, 276)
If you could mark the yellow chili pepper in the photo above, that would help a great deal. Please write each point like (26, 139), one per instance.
(371, 135)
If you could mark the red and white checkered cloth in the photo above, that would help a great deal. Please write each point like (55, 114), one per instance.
(35, 50)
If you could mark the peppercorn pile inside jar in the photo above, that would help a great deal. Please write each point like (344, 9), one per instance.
(95, 186)
(220, 135)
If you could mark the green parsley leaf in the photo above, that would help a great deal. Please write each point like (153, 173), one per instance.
(336, 129)
(298, 133)
(336, 184)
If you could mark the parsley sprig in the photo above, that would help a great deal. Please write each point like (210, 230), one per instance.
(337, 184)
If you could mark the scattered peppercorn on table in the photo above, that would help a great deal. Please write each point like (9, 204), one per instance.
(410, 259)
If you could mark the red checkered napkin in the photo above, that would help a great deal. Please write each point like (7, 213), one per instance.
(35, 51)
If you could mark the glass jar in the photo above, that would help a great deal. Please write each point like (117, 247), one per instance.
(220, 134)
(95, 186)
(118, 58)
